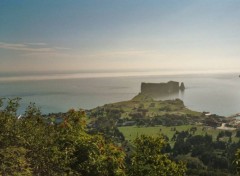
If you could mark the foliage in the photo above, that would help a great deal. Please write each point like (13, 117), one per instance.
(148, 158)
(14, 161)
(237, 161)
(201, 144)
(30, 145)
(35, 144)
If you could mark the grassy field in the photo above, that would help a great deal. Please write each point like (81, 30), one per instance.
(143, 106)
(131, 132)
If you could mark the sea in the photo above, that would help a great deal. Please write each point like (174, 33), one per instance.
(216, 93)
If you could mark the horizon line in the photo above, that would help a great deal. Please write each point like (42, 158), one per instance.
(58, 75)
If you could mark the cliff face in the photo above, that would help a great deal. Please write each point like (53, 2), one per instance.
(161, 88)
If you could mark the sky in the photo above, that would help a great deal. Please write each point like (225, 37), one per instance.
(119, 35)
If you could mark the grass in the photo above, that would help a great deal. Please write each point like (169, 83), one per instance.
(131, 132)
(154, 108)
(157, 109)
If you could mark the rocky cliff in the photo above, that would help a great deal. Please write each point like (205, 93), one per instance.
(161, 88)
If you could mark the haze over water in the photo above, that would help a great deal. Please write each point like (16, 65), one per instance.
(58, 92)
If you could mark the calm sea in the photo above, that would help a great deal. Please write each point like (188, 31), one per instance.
(216, 93)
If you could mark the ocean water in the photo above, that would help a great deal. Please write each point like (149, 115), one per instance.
(216, 93)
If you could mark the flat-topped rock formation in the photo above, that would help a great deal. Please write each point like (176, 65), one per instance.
(161, 88)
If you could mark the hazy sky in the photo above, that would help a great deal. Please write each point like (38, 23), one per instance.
(119, 34)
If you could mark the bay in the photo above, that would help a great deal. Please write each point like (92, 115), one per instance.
(215, 93)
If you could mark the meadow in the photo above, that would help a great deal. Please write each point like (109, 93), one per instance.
(131, 132)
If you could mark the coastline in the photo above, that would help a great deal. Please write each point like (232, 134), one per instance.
(207, 92)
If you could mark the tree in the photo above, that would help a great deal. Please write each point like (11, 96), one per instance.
(13, 156)
(85, 154)
(32, 146)
(193, 164)
(148, 158)
(238, 133)
(14, 161)
(237, 160)
(181, 147)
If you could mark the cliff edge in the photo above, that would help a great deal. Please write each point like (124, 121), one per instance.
(161, 88)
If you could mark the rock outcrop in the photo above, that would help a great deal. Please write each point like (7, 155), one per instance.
(161, 88)
(182, 87)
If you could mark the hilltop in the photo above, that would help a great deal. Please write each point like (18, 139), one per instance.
(144, 110)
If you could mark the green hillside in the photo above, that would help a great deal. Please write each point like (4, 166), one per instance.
(143, 110)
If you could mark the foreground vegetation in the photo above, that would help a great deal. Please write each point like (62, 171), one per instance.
(68, 144)
(206, 152)
(35, 145)
(192, 137)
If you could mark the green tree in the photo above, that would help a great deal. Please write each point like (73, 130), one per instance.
(237, 161)
(85, 154)
(148, 158)
(13, 156)
(14, 161)
(32, 146)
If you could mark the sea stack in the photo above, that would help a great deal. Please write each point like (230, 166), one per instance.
(182, 87)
